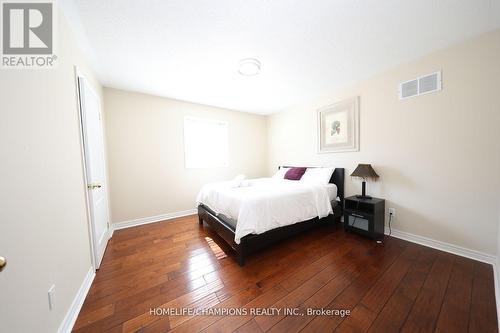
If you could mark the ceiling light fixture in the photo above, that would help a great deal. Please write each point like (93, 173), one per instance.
(249, 67)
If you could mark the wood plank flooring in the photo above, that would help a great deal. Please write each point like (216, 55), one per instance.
(396, 286)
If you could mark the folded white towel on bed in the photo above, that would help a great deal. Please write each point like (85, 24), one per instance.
(239, 181)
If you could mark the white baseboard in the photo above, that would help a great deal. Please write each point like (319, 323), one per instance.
(152, 219)
(447, 247)
(497, 291)
(70, 318)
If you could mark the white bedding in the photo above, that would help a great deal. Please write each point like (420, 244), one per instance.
(266, 203)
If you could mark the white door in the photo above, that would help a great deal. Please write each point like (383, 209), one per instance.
(93, 144)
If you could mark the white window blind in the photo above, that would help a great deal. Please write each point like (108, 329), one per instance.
(205, 143)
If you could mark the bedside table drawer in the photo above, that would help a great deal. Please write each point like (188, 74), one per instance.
(358, 222)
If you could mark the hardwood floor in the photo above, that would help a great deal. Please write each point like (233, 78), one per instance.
(391, 287)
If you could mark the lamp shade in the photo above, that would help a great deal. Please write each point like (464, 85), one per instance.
(364, 171)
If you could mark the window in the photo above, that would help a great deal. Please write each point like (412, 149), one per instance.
(205, 143)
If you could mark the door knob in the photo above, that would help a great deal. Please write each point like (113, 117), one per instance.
(3, 263)
(94, 186)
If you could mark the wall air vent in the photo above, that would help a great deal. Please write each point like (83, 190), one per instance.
(419, 86)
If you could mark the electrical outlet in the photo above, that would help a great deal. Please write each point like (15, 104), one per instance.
(392, 211)
(52, 296)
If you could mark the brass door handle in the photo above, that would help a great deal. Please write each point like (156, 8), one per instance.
(3, 263)
(94, 186)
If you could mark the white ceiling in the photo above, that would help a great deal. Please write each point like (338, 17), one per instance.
(189, 50)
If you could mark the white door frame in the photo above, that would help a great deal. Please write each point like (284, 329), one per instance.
(90, 223)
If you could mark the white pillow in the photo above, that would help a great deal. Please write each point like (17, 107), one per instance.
(317, 175)
(280, 174)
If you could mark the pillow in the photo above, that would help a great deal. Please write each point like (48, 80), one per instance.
(295, 173)
(280, 174)
(318, 175)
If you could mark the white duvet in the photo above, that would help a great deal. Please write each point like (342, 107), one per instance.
(266, 203)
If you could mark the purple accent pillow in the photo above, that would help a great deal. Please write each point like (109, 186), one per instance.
(295, 173)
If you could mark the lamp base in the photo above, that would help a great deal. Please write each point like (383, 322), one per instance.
(363, 192)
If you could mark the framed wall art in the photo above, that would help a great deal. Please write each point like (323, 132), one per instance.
(338, 127)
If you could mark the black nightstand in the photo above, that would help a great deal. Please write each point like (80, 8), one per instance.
(365, 216)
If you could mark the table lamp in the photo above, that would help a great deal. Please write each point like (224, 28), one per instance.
(364, 171)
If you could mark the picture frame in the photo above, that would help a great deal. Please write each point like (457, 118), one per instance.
(338, 127)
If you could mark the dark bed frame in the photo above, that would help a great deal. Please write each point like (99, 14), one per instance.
(253, 243)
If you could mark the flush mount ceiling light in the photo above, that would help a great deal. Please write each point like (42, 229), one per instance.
(249, 67)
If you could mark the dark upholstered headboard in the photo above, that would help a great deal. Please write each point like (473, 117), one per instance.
(337, 179)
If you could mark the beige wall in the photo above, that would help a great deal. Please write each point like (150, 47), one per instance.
(146, 153)
(437, 155)
(43, 224)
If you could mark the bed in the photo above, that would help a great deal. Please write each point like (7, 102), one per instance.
(252, 232)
